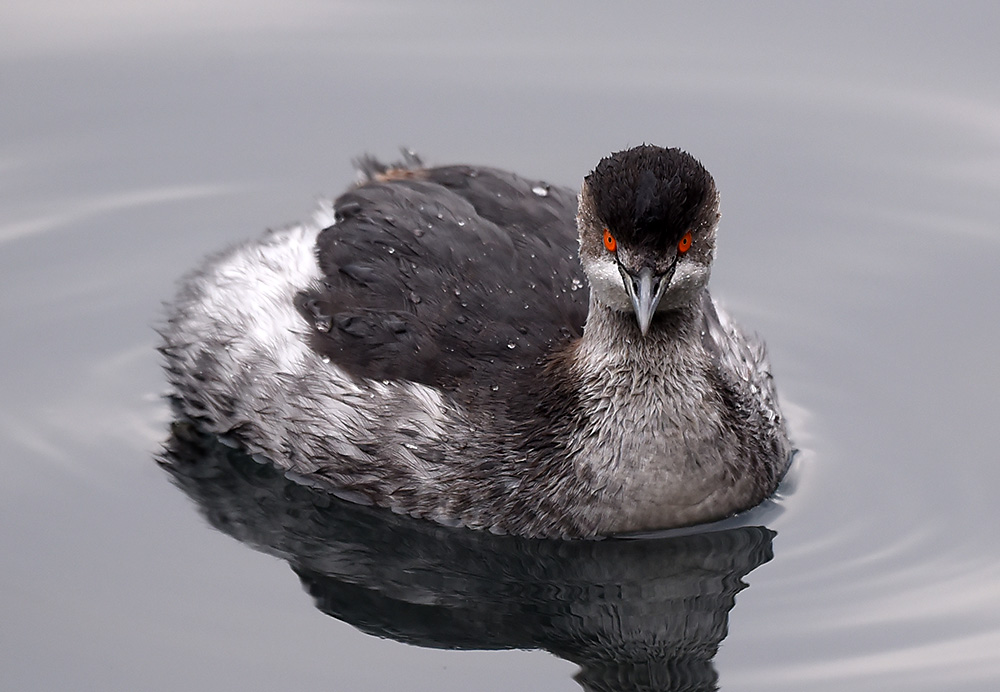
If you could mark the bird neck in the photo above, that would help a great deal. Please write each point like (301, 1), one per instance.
(612, 340)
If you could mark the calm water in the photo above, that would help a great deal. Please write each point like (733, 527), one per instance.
(857, 150)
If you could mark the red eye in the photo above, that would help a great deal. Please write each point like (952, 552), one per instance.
(609, 241)
(685, 243)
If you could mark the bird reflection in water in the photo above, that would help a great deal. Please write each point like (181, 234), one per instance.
(636, 614)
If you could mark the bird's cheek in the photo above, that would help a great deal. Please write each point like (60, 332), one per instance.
(606, 282)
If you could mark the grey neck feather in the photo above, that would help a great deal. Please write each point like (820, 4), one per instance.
(655, 423)
(611, 338)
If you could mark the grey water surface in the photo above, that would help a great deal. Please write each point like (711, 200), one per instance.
(857, 150)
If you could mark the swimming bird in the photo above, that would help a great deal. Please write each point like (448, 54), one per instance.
(469, 346)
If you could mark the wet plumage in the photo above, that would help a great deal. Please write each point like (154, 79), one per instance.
(460, 344)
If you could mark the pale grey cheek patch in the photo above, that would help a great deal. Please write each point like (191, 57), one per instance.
(689, 278)
(606, 282)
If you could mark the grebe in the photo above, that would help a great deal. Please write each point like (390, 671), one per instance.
(429, 344)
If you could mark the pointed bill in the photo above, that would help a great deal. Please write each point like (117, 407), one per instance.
(645, 289)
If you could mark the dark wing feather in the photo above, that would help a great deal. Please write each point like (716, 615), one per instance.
(452, 277)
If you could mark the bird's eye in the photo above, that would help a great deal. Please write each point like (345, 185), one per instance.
(609, 241)
(685, 243)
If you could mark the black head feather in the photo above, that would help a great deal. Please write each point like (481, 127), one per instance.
(650, 196)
